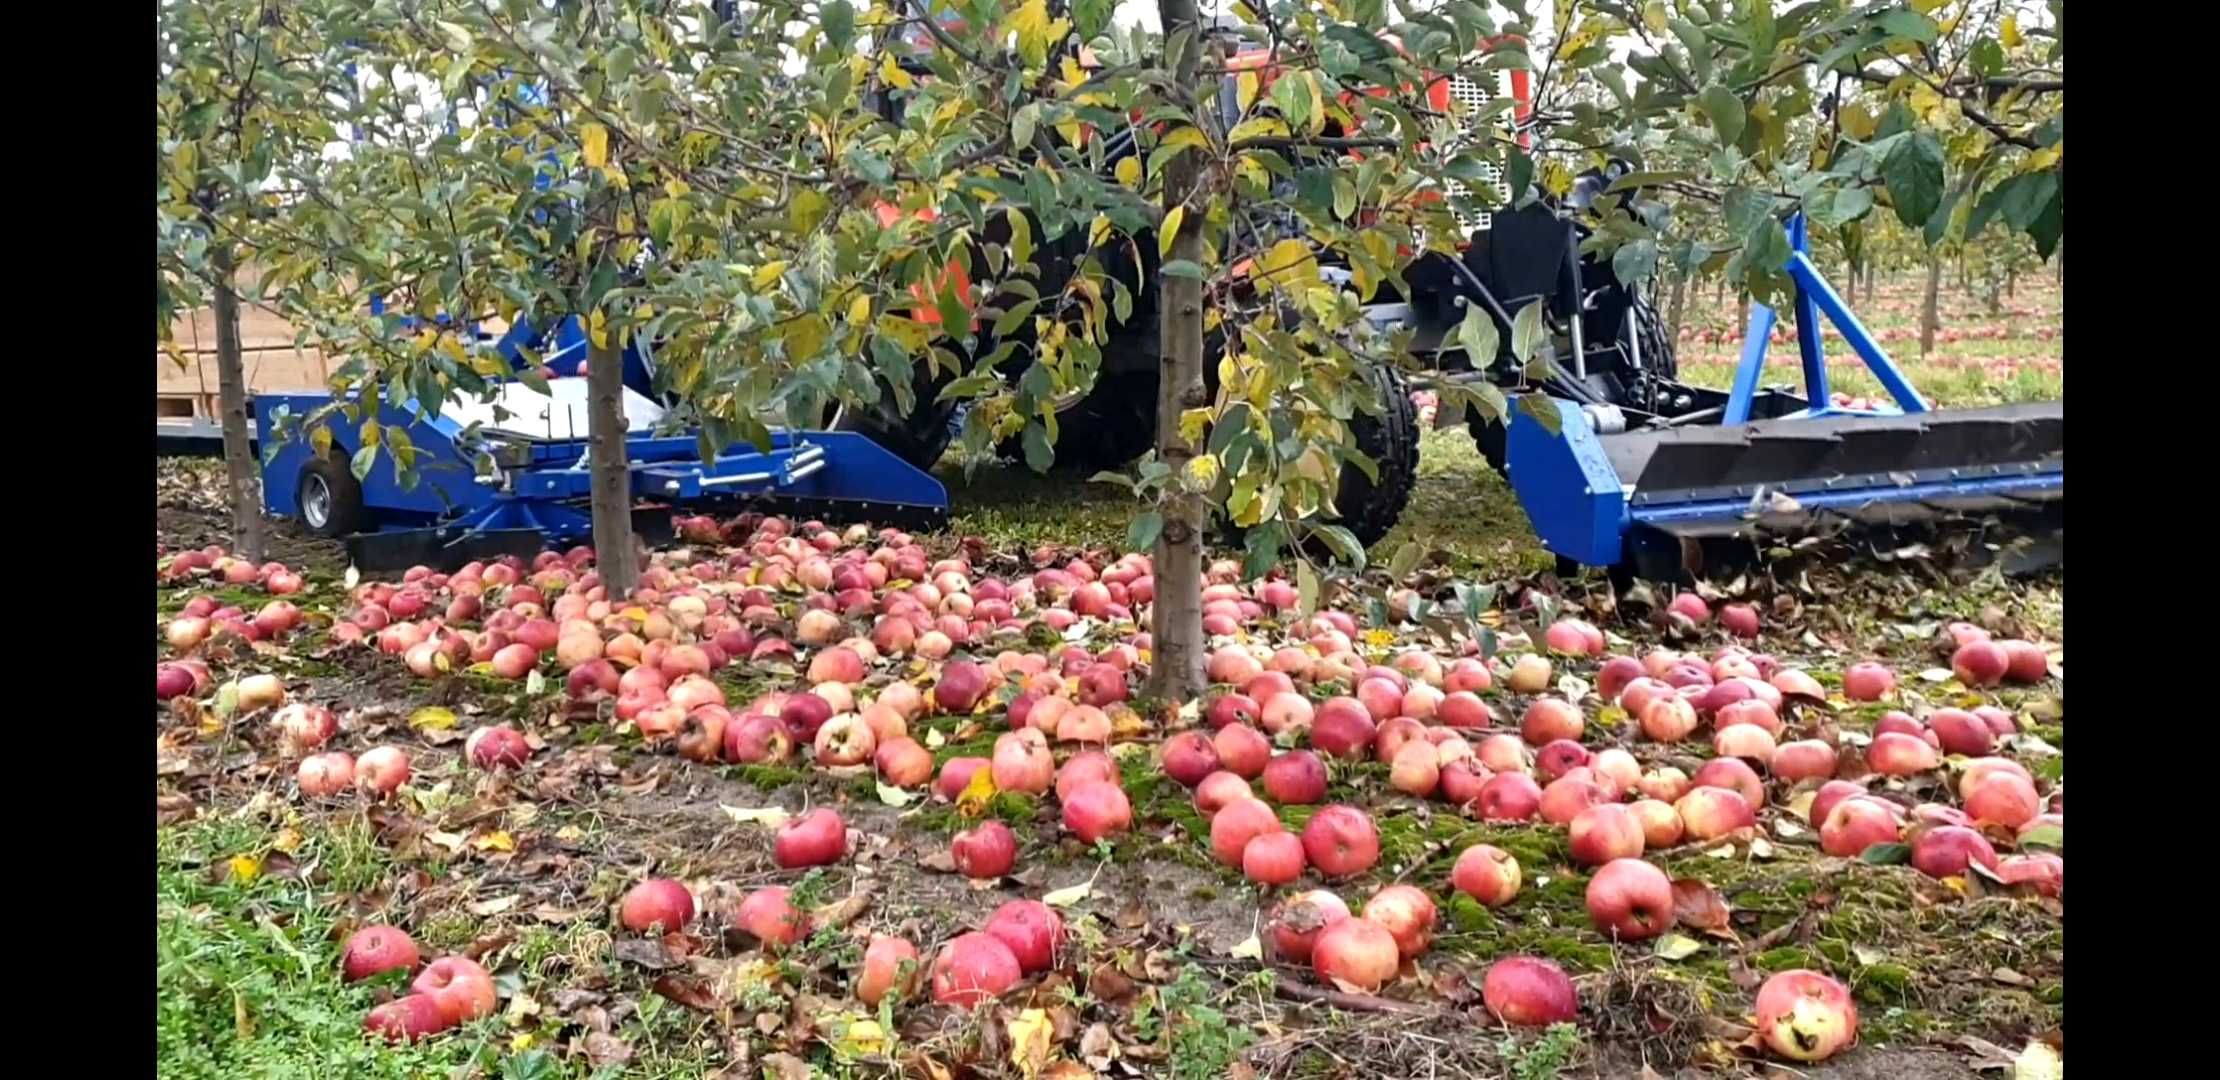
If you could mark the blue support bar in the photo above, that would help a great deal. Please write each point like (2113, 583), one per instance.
(1807, 326)
(1812, 288)
(1762, 319)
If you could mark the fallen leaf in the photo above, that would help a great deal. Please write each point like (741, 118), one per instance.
(1698, 906)
(1069, 896)
(2009, 977)
(1250, 949)
(604, 1049)
(432, 718)
(934, 740)
(973, 800)
(495, 906)
(894, 796)
(858, 1036)
(1867, 956)
(784, 1066)
(769, 816)
(690, 992)
(644, 953)
(1032, 1040)
(1677, 947)
(2039, 1062)
(497, 840)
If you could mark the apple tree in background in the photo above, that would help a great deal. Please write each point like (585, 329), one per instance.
(238, 100)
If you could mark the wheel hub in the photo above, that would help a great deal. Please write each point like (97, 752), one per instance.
(315, 501)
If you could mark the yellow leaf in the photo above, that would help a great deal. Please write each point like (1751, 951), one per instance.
(1191, 425)
(2044, 158)
(768, 274)
(893, 73)
(497, 840)
(595, 139)
(2038, 1062)
(1099, 232)
(1169, 231)
(1258, 127)
(1186, 136)
(246, 867)
(1035, 30)
(1246, 87)
(860, 1037)
(1653, 16)
(597, 328)
(859, 310)
(1129, 172)
(432, 718)
(521, 1041)
(2010, 32)
(1200, 474)
(288, 841)
(973, 800)
(1251, 948)
(934, 740)
(1290, 265)
(1677, 947)
(1032, 1036)
(485, 909)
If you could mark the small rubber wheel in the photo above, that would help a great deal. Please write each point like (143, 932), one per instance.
(329, 498)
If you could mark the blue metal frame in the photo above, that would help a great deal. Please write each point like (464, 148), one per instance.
(1814, 297)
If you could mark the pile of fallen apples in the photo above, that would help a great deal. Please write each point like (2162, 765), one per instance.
(891, 637)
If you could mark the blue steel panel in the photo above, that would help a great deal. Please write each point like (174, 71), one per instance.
(1811, 286)
(1566, 483)
(446, 478)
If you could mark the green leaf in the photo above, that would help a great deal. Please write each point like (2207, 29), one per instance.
(1677, 947)
(1405, 559)
(1527, 331)
(1725, 111)
(363, 459)
(1038, 454)
(1141, 534)
(1306, 589)
(1904, 23)
(839, 20)
(1886, 855)
(1481, 340)
(1913, 172)
(1343, 543)
(2052, 837)
(1647, 179)
(1263, 544)
(1521, 175)
(1634, 262)
(1543, 410)
(1832, 208)
(1181, 268)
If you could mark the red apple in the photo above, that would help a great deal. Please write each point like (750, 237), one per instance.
(1096, 810)
(962, 686)
(1486, 873)
(1296, 777)
(1604, 832)
(2043, 870)
(1408, 914)
(973, 969)
(1708, 813)
(1805, 1016)
(1189, 756)
(1296, 924)
(818, 838)
(497, 746)
(1665, 784)
(1661, 825)
(1510, 796)
(2004, 798)
(1356, 953)
(1231, 709)
(1830, 793)
(955, 775)
(1980, 663)
(1741, 620)
(1630, 899)
(1896, 754)
(903, 762)
(1961, 732)
(985, 851)
(844, 740)
(769, 915)
(1241, 750)
(1946, 850)
(375, 950)
(1528, 991)
(1340, 841)
(1528, 675)
(657, 903)
(1855, 824)
(1237, 823)
(1218, 789)
(1085, 767)
(1273, 858)
(1868, 681)
(462, 989)
(407, 1018)
(2025, 662)
(1342, 727)
(889, 966)
(1668, 718)
(1691, 607)
(1548, 720)
(1031, 929)
(1804, 759)
(1022, 762)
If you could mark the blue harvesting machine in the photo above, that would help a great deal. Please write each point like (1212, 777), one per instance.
(1752, 463)
(509, 473)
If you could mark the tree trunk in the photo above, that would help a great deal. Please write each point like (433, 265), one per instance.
(1991, 297)
(1869, 285)
(240, 467)
(1719, 293)
(1175, 616)
(1929, 320)
(617, 560)
(1679, 303)
(2011, 280)
(1741, 309)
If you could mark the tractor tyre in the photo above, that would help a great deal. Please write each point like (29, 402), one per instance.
(919, 438)
(328, 498)
(1110, 428)
(1370, 509)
